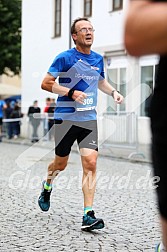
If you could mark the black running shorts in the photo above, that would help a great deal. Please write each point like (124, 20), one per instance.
(66, 132)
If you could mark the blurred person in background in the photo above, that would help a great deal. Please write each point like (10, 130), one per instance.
(15, 124)
(34, 118)
(51, 110)
(2, 107)
(7, 112)
(146, 33)
(45, 121)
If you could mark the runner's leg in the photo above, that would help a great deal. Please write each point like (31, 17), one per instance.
(89, 159)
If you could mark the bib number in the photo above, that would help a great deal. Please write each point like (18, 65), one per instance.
(88, 101)
(88, 104)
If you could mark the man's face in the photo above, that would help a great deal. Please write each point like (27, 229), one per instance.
(84, 33)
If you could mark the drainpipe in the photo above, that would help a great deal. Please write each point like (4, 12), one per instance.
(70, 21)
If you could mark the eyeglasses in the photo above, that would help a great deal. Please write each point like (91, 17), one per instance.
(85, 30)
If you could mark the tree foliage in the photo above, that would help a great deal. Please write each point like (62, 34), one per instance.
(10, 36)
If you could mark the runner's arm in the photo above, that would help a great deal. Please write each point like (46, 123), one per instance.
(106, 88)
(49, 84)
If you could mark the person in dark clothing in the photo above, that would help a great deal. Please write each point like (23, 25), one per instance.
(34, 118)
(2, 107)
(146, 33)
(16, 115)
(7, 113)
(45, 119)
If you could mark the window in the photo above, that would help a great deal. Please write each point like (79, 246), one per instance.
(147, 84)
(87, 8)
(57, 26)
(117, 5)
(117, 79)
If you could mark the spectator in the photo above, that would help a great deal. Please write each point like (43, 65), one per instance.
(46, 123)
(7, 113)
(16, 115)
(34, 118)
(2, 107)
(51, 110)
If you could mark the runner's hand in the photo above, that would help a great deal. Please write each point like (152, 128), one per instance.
(79, 96)
(118, 98)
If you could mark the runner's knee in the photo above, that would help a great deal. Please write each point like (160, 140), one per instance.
(58, 165)
(90, 165)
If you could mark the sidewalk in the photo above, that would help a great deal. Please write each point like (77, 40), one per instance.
(139, 154)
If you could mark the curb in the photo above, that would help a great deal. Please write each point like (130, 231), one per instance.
(136, 157)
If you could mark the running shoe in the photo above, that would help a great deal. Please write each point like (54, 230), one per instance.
(90, 222)
(158, 249)
(44, 199)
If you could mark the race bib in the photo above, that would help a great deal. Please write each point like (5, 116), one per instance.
(88, 104)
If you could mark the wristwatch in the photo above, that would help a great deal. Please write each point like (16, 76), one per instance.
(112, 93)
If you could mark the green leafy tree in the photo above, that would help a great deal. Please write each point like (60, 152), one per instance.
(10, 36)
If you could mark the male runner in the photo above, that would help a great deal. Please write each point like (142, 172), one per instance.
(81, 73)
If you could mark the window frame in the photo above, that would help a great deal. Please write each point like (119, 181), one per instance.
(89, 2)
(57, 32)
(117, 85)
(154, 66)
(114, 7)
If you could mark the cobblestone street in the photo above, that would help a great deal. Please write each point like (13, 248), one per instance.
(124, 199)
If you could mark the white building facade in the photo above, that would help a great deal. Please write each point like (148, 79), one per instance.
(46, 33)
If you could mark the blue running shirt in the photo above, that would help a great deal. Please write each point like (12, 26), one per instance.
(81, 72)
